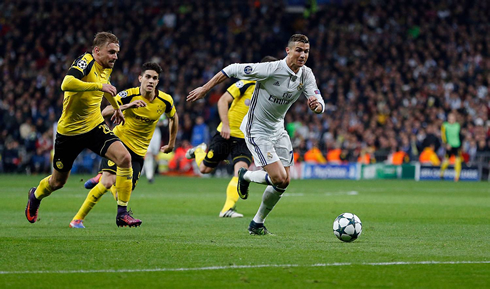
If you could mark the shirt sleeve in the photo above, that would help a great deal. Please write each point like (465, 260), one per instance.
(239, 88)
(169, 105)
(234, 89)
(311, 89)
(123, 97)
(71, 83)
(251, 71)
(81, 66)
(111, 100)
(170, 111)
(118, 99)
(443, 133)
(78, 70)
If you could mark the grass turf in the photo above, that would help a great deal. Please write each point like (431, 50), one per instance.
(183, 243)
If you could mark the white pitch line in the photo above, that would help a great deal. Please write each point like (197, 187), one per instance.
(293, 195)
(243, 267)
(349, 193)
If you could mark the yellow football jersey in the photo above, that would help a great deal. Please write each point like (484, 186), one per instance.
(241, 91)
(81, 110)
(140, 123)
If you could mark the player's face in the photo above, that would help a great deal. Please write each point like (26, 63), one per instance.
(107, 54)
(149, 81)
(451, 118)
(298, 54)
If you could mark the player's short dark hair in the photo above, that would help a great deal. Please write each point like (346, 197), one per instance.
(104, 38)
(298, 38)
(151, 66)
(269, 58)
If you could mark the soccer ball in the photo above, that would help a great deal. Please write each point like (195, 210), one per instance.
(347, 227)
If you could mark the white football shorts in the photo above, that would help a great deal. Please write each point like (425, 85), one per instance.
(155, 142)
(267, 150)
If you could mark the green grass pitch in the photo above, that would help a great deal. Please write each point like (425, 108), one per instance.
(415, 235)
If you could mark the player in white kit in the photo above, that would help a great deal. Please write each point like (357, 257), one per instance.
(279, 85)
(153, 150)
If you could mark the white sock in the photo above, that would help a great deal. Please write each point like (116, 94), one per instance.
(149, 166)
(269, 200)
(259, 177)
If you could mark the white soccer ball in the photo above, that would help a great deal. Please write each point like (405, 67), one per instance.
(347, 227)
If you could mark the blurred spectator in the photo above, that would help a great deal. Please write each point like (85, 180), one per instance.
(389, 71)
(42, 159)
(314, 155)
(398, 157)
(200, 132)
(11, 157)
(366, 156)
(179, 163)
(334, 155)
(428, 157)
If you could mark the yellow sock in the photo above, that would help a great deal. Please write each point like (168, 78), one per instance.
(92, 198)
(124, 185)
(114, 192)
(231, 195)
(43, 189)
(200, 155)
(457, 168)
(444, 166)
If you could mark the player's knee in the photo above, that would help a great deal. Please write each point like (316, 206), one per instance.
(204, 169)
(280, 181)
(124, 161)
(107, 183)
(284, 183)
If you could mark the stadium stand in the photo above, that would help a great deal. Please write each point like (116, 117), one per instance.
(390, 72)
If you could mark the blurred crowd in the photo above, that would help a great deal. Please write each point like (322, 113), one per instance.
(390, 71)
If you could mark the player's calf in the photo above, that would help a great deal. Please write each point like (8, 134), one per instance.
(242, 186)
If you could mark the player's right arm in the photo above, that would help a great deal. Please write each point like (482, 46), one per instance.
(201, 91)
(246, 71)
(73, 81)
(251, 71)
(223, 105)
(443, 133)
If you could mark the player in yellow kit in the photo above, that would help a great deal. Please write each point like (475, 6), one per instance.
(451, 137)
(229, 140)
(82, 126)
(143, 106)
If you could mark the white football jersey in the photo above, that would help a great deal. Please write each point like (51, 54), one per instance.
(277, 88)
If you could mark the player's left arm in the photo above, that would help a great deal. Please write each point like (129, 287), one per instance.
(315, 99)
(223, 105)
(173, 127)
(117, 116)
(173, 124)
